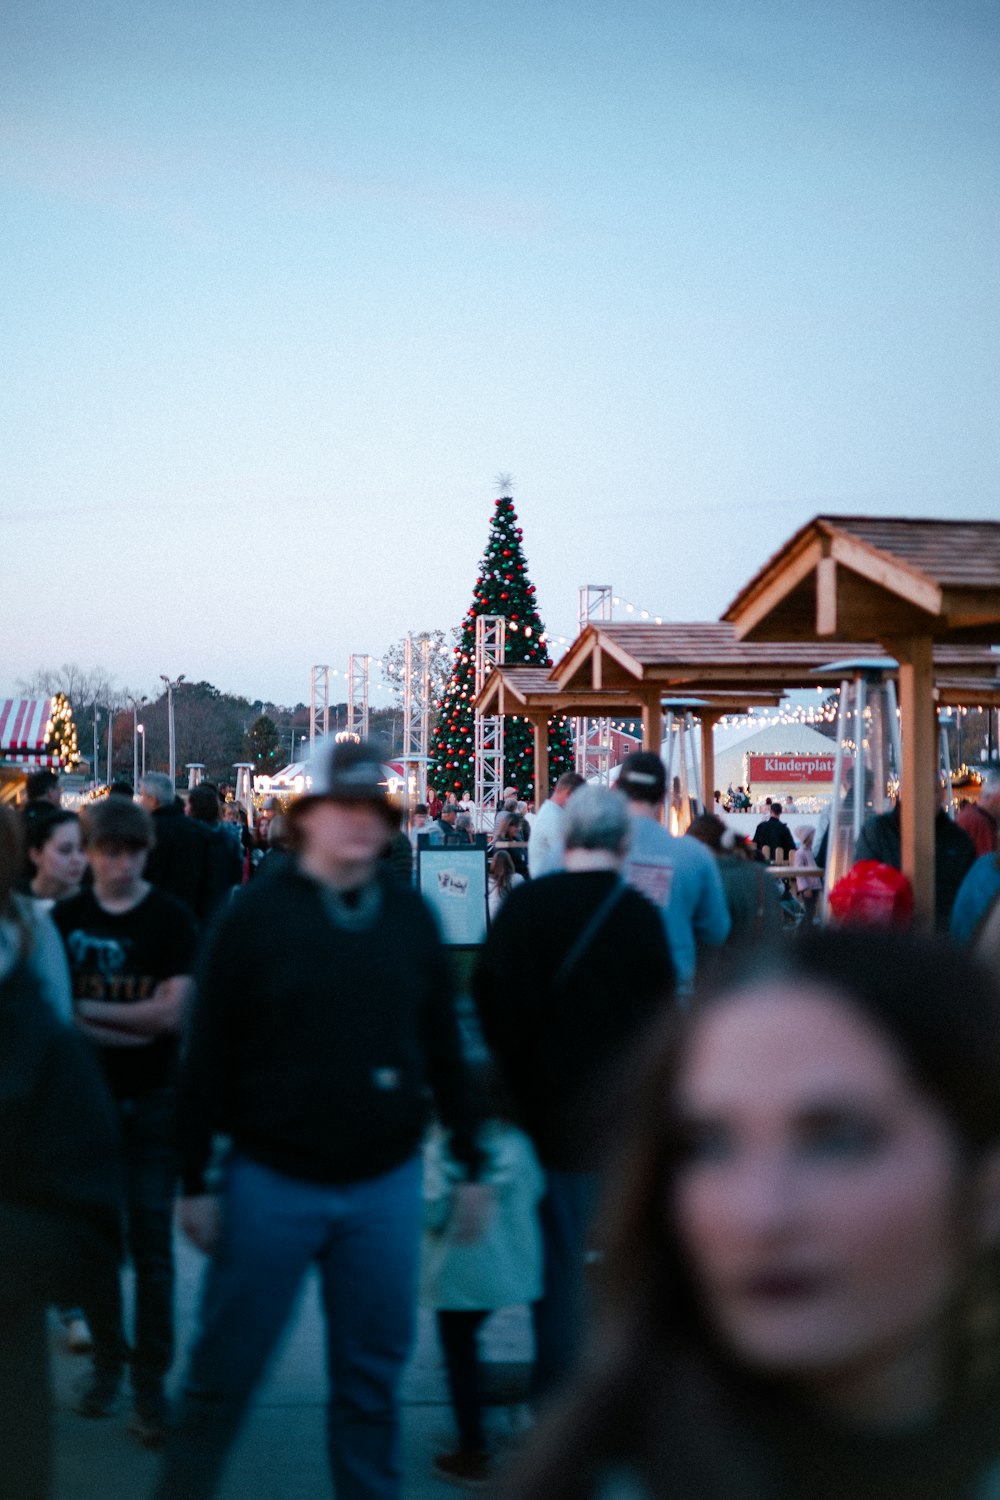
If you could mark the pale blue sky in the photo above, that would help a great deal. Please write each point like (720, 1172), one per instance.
(286, 285)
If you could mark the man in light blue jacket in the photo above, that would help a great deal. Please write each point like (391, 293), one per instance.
(680, 876)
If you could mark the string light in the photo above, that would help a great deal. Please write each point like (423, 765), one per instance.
(791, 714)
(618, 601)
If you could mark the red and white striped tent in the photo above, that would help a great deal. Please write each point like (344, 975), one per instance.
(25, 725)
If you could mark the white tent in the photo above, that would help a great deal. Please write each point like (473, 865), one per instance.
(734, 745)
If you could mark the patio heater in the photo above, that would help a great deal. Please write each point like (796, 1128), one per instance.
(867, 760)
(684, 796)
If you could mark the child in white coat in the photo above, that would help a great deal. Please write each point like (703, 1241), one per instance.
(464, 1283)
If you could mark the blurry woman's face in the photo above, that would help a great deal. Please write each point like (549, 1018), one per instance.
(817, 1197)
(61, 861)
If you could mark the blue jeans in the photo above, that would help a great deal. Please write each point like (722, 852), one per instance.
(363, 1237)
(564, 1216)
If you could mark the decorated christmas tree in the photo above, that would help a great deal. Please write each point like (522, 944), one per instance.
(61, 738)
(502, 588)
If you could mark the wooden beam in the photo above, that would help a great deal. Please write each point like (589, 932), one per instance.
(708, 723)
(969, 608)
(575, 660)
(616, 652)
(826, 596)
(772, 591)
(876, 568)
(540, 724)
(652, 722)
(854, 608)
(918, 796)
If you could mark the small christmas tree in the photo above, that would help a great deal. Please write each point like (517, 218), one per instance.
(61, 740)
(501, 589)
(262, 743)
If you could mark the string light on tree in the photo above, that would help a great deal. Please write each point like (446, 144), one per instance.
(60, 733)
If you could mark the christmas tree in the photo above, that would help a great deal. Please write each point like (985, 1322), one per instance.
(262, 743)
(501, 589)
(61, 738)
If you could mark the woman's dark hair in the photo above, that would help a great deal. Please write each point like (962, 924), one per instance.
(11, 866)
(42, 826)
(936, 1007)
(204, 804)
(505, 827)
(11, 857)
(112, 820)
(708, 830)
(502, 871)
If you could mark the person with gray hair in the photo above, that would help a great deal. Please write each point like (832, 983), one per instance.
(573, 969)
(595, 820)
(156, 790)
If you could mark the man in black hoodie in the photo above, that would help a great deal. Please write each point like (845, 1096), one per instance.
(323, 1018)
(223, 869)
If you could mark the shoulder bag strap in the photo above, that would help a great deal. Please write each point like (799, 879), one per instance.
(589, 932)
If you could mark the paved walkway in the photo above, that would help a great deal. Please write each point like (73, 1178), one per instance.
(281, 1454)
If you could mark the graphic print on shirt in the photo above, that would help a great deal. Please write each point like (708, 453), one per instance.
(101, 968)
(653, 881)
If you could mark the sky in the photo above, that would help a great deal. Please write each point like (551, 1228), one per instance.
(287, 286)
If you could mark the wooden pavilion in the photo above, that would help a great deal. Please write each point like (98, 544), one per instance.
(915, 587)
(616, 669)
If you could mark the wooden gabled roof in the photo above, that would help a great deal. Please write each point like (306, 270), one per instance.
(843, 576)
(531, 690)
(695, 656)
(525, 690)
(707, 656)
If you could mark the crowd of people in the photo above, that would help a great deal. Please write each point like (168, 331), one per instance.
(745, 1172)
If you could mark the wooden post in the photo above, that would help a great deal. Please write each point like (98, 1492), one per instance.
(541, 728)
(652, 722)
(708, 723)
(917, 792)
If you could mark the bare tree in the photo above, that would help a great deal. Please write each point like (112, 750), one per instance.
(82, 688)
(442, 652)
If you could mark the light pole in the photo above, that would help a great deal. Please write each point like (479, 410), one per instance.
(170, 686)
(111, 737)
(137, 729)
(96, 767)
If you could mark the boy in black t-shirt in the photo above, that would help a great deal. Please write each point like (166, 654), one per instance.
(130, 949)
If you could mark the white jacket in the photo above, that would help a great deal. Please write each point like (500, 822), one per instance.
(504, 1266)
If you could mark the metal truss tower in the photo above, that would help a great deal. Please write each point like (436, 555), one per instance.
(357, 695)
(592, 737)
(319, 706)
(416, 718)
(491, 642)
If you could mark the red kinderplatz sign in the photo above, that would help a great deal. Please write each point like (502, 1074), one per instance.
(785, 768)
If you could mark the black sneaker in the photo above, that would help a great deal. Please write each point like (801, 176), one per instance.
(98, 1397)
(148, 1423)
